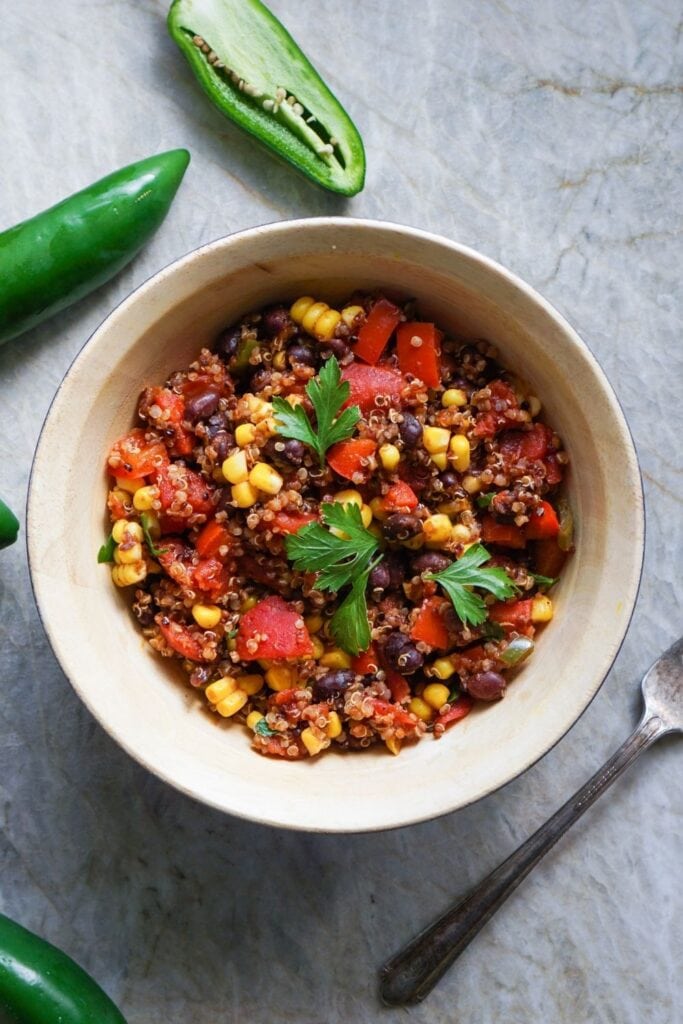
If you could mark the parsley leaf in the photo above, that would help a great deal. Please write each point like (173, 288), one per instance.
(327, 393)
(544, 581)
(145, 524)
(466, 573)
(106, 552)
(263, 729)
(339, 562)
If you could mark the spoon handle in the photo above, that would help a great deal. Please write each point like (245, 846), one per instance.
(412, 973)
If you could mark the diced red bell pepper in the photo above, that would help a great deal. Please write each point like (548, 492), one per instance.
(170, 479)
(376, 331)
(402, 718)
(399, 496)
(544, 526)
(347, 457)
(172, 407)
(277, 628)
(503, 402)
(527, 444)
(291, 522)
(421, 360)
(399, 686)
(367, 382)
(366, 663)
(213, 537)
(134, 457)
(184, 640)
(211, 577)
(516, 614)
(553, 469)
(548, 558)
(507, 534)
(284, 697)
(430, 625)
(458, 711)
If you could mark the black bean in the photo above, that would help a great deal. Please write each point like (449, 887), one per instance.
(338, 347)
(380, 577)
(275, 320)
(301, 354)
(401, 655)
(219, 421)
(228, 342)
(259, 379)
(486, 686)
(222, 442)
(410, 430)
(290, 451)
(449, 479)
(430, 561)
(202, 405)
(401, 526)
(332, 684)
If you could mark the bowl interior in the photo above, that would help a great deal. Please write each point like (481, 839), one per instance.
(135, 694)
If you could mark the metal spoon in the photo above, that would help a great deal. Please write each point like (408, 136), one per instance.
(412, 973)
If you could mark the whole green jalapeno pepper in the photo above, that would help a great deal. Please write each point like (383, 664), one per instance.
(252, 70)
(9, 526)
(58, 256)
(41, 985)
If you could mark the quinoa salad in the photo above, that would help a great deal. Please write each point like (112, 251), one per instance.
(344, 524)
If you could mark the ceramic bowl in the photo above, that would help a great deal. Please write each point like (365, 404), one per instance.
(137, 697)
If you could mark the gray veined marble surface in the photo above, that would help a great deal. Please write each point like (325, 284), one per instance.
(549, 136)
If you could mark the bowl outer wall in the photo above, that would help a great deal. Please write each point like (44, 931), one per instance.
(158, 721)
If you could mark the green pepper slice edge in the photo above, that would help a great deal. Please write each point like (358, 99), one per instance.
(9, 526)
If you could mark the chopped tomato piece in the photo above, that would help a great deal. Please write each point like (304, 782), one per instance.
(366, 663)
(543, 526)
(458, 711)
(376, 331)
(503, 402)
(553, 469)
(349, 458)
(291, 522)
(430, 625)
(171, 479)
(169, 418)
(399, 686)
(273, 629)
(284, 697)
(507, 534)
(184, 640)
(400, 495)
(267, 570)
(422, 360)
(548, 558)
(211, 577)
(527, 444)
(133, 457)
(213, 537)
(367, 382)
(516, 614)
(404, 719)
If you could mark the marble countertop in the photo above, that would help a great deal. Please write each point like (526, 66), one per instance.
(548, 136)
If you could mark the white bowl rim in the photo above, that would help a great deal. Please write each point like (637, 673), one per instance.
(638, 510)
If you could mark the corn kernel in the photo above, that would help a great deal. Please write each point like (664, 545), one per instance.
(281, 677)
(336, 659)
(250, 684)
(311, 742)
(233, 703)
(436, 695)
(534, 405)
(127, 575)
(421, 709)
(280, 360)
(253, 719)
(541, 609)
(314, 623)
(122, 497)
(440, 460)
(349, 497)
(131, 486)
(325, 325)
(244, 495)
(393, 745)
(449, 508)
(460, 534)
(365, 515)
(437, 529)
(311, 315)
(248, 603)
(378, 509)
(299, 308)
(471, 484)
(453, 397)
(144, 498)
(259, 409)
(334, 725)
(235, 469)
(442, 668)
(206, 615)
(318, 647)
(265, 478)
(294, 400)
(460, 452)
(268, 427)
(128, 556)
(123, 528)
(350, 313)
(245, 434)
(217, 691)
(389, 456)
(415, 543)
(435, 439)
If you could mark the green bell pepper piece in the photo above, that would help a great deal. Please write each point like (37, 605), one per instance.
(41, 985)
(252, 70)
(62, 254)
(9, 526)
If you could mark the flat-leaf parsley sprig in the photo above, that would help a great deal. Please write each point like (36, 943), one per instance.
(340, 561)
(465, 573)
(327, 393)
